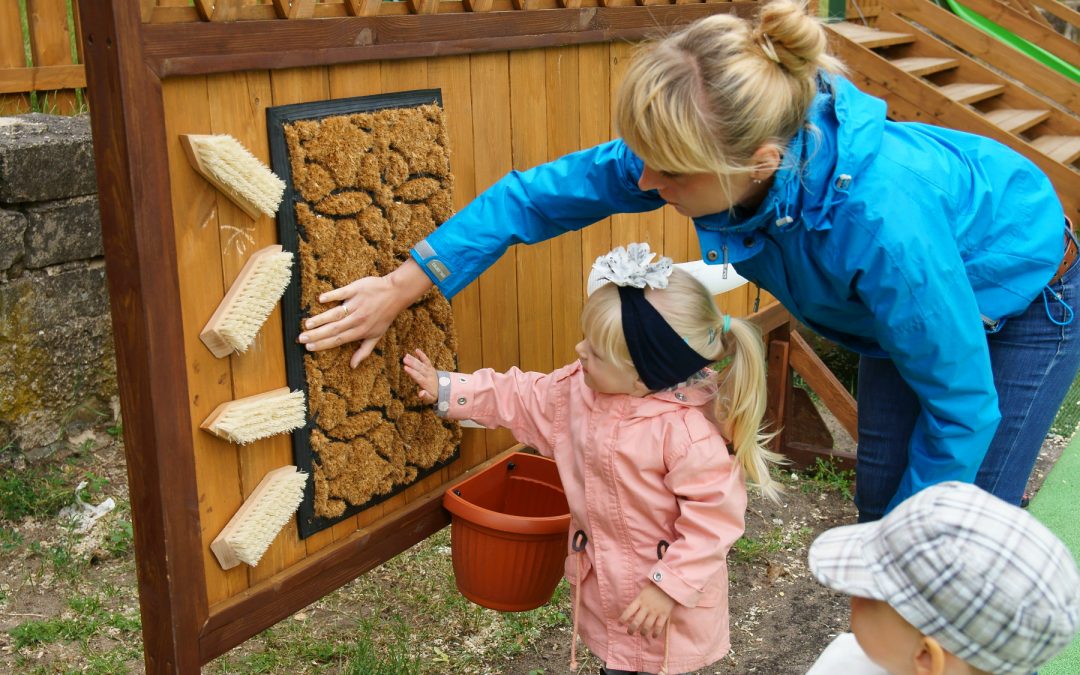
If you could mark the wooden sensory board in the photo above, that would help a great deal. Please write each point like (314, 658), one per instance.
(521, 83)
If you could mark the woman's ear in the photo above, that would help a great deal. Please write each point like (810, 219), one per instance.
(930, 658)
(766, 161)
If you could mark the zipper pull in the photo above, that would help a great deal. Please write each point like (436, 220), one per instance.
(723, 275)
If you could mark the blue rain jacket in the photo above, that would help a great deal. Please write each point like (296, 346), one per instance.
(893, 239)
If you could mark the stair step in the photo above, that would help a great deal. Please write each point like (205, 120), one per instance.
(1014, 121)
(871, 38)
(1065, 149)
(968, 92)
(924, 65)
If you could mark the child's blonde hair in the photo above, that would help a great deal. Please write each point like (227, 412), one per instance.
(704, 99)
(689, 309)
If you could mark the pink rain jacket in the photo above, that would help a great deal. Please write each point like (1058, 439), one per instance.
(636, 471)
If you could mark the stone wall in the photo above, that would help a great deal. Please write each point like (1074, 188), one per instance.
(57, 365)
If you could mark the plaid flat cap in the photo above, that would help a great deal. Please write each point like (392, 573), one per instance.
(984, 578)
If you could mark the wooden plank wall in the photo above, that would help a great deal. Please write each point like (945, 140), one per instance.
(503, 110)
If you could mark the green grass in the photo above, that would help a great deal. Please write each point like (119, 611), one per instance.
(1068, 416)
(752, 550)
(826, 475)
(87, 618)
(46, 489)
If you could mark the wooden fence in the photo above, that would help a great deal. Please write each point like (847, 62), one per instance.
(40, 67)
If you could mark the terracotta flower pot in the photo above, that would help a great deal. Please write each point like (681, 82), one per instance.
(508, 533)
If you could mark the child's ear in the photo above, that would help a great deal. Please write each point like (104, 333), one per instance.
(930, 658)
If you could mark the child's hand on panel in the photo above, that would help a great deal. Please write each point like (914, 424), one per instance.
(649, 612)
(418, 367)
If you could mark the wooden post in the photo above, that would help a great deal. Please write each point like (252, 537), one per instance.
(137, 229)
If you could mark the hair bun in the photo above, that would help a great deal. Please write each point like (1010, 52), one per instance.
(792, 38)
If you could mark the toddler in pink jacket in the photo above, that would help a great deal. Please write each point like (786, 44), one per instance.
(656, 496)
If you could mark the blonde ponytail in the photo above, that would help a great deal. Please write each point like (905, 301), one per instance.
(742, 402)
(704, 99)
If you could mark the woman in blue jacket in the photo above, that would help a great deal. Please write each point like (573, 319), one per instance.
(937, 255)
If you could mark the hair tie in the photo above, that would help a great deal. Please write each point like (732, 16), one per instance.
(727, 323)
(767, 47)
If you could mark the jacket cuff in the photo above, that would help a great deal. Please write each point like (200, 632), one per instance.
(442, 405)
(439, 269)
(669, 582)
(455, 405)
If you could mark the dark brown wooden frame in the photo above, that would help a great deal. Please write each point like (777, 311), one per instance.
(126, 62)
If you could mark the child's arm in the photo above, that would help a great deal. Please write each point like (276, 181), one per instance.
(526, 403)
(712, 504)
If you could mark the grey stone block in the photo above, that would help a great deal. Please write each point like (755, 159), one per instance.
(45, 157)
(63, 231)
(57, 364)
(12, 230)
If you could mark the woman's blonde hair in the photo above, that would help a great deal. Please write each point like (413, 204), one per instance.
(740, 393)
(705, 98)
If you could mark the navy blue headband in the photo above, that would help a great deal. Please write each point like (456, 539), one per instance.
(660, 355)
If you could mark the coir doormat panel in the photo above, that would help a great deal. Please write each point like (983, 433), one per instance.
(366, 178)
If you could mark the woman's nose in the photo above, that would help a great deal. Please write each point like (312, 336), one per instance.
(649, 180)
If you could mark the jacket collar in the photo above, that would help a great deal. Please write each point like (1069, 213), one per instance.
(821, 163)
(693, 395)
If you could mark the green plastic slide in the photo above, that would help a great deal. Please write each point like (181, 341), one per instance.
(1016, 42)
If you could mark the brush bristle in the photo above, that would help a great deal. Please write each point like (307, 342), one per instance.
(246, 421)
(258, 525)
(234, 166)
(255, 299)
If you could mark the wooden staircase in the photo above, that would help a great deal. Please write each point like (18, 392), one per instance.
(924, 78)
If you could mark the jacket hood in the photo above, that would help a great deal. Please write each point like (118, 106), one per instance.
(842, 135)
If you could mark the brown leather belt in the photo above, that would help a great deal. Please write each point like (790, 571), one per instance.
(1067, 260)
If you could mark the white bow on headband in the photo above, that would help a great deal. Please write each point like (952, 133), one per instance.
(632, 266)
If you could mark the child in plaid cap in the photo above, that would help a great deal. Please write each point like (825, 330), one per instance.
(953, 580)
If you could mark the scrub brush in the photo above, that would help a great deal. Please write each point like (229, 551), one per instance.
(249, 419)
(249, 301)
(238, 174)
(262, 515)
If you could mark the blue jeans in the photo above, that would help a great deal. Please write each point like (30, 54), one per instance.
(1034, 362)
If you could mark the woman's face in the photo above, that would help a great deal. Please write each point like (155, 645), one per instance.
(694, 194)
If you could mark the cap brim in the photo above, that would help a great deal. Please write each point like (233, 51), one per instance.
(838, 560)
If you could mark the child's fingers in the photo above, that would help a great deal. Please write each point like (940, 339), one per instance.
(658, 626)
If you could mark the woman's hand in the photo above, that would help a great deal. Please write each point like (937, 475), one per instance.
(368, 307)
(418, 367)
(649, 612)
